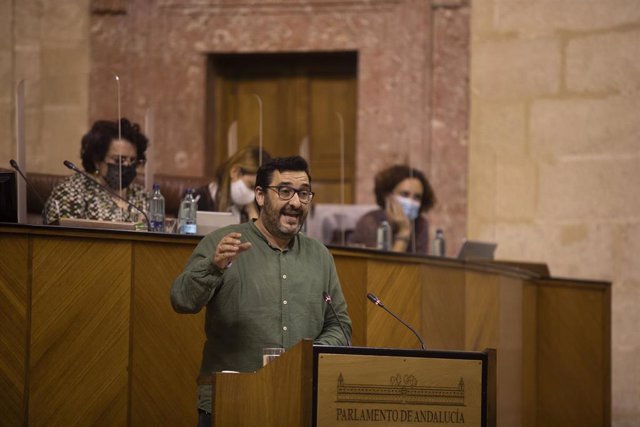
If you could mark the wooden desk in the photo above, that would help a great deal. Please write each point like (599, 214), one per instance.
(88, 335)
(91, 334)
(553, 336)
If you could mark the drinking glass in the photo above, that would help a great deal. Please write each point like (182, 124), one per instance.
(170, 225)
(270, 353)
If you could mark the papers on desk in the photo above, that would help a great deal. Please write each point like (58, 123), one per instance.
(93, 223)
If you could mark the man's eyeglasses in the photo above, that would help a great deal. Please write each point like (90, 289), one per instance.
(286, 193)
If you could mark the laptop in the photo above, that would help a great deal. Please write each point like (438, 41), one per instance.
(474, 249)
(210, 221)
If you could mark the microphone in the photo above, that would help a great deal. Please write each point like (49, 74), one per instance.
(76, 169)
(14, 165)
(374, 299)
(328, 301)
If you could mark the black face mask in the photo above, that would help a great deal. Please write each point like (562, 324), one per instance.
(113, 175)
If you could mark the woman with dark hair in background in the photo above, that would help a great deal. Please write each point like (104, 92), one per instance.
(111, 153)
(232, 191)
(403, 194)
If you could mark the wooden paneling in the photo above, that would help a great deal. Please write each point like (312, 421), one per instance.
(166, 346)
(331, 192)
(276, 103)
(291, 374)
(529, 355)
(399, 287)
(353, 279)
(509, 350)
(332, 113)
(80, 332)
(14, 301)
(444, 311)
(105, 347)
(493, 320)
(305, 97)
(574, 365)
(482, 316)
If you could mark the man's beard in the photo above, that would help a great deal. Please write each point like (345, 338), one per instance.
(271, 219)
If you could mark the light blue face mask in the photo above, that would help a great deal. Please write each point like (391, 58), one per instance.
(410, 207)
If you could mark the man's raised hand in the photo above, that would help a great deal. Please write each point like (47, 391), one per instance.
(229, 247)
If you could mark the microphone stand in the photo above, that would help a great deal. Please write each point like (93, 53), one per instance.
(15, 166)
(74, 168)
(328, 301)
(374, 299)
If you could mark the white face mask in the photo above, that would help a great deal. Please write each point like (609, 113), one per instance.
(410, 207)
(241, 195)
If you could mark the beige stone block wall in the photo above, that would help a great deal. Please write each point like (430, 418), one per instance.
(6, 80)
(554, 156)
(45, 44)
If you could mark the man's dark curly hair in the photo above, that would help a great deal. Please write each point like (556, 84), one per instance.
(386, 181)
(96, 142)
(280, 164)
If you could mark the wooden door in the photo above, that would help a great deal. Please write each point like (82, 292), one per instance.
(302, 100)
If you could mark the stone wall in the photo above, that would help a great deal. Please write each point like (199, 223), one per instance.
(46, 45)
(163, 64)
(6, 82)
(447, 159)
(412, 78)
(555, 153)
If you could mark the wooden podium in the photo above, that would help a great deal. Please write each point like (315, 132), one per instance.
(327, 386)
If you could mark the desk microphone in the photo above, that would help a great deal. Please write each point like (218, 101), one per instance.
(14, 165)
(76, 169)
(374, 299)
(328, 301)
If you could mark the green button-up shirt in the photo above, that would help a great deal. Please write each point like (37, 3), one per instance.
(266, 298)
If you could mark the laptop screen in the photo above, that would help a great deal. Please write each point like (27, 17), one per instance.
(474, 249)
(211, 221)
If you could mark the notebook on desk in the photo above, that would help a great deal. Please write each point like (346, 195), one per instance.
(210, 221)
(474, 249)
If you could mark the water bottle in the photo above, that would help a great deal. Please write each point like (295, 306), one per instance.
(384, 236)
(439, 245)
(187, 215)
(156, 209)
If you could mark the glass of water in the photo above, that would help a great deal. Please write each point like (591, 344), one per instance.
(270, 353)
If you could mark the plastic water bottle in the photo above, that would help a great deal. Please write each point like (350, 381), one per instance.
(156, 209)
(384, 236)
(439, 244)
(187, 215)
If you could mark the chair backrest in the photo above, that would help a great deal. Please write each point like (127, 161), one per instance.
(172, 187)
(327, 221)
(8, 196)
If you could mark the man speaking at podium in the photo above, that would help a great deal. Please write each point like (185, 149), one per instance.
(262, 281)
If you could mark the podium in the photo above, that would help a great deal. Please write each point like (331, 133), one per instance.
(326, 386)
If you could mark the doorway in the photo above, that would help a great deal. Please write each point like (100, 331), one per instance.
(297, 103)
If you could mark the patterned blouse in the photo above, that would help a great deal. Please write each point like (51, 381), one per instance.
(76, 197)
